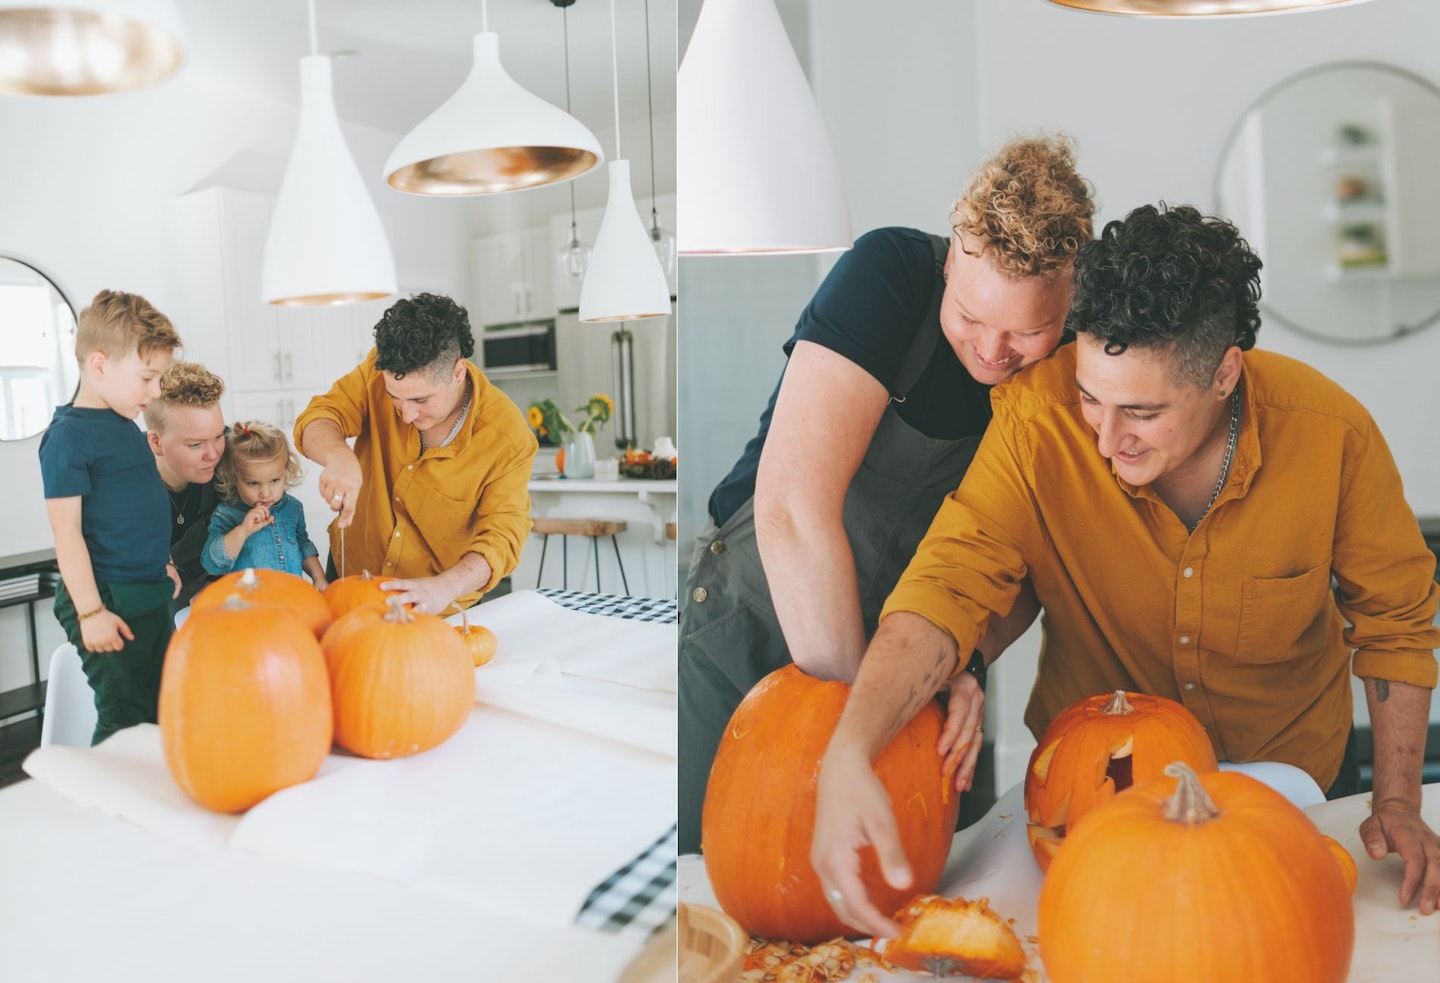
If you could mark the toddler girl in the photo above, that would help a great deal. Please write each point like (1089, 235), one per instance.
(258, 523)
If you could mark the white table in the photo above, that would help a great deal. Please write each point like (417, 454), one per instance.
(992, 859)
(644, 505)
(436, 867)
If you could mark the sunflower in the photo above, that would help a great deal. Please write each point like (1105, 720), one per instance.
(535, 417)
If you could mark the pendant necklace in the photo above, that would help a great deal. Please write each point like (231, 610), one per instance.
(182, 504)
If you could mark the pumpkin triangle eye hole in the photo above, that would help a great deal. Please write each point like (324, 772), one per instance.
(1121, 771)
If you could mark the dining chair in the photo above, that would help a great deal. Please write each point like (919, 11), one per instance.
(69, 702)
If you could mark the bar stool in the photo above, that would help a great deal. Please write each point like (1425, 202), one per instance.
(545, 527)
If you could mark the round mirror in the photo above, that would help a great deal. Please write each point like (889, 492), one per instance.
(37, 350)
(1331, 178)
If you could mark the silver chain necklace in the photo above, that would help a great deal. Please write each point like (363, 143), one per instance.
(1230, 441)
(464, 408)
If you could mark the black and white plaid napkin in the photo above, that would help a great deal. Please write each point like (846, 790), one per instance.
(637, 898)
(640, 896)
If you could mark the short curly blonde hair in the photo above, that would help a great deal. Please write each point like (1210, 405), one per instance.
(1028, 208)
(183, 384)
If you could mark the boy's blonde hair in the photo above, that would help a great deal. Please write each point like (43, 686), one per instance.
(119, 323)
(252, 441)
(183, 384)
(1028, 208)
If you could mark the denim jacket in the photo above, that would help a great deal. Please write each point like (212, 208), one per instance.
(282, 545)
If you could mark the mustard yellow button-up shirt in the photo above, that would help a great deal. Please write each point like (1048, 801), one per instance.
(418, 514)
(1237, 620)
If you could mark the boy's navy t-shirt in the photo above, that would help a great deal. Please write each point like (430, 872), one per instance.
(102, 457)
(869, 309)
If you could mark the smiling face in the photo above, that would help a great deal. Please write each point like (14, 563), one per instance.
(260, 482)
(126, 384)
(1148, 424)
(424, 401)
(996, 323)
(188, 444)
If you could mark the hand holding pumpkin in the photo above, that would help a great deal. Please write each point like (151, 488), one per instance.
(963, 735)
(1395, 826)
(852, 812)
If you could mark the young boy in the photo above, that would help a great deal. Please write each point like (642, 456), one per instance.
(108, 510)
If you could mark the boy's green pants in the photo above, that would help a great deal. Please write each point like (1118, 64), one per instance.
(126, 683)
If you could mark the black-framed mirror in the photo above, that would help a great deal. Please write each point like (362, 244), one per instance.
(37, 349)
(1330, 176)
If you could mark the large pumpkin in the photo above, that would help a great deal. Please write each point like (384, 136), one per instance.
(1097, 747)
(1193, 879)
(355, 591)
(401, 682)
(759, 813)
(244, 704)
(273, 587)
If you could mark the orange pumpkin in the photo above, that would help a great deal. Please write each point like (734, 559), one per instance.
(1097, 747)
(244, 704)
(481, 641)
(355, 591)
(273, 587)
(1192, 879)
(955, 937)
(759, 813)
(1348, 868)
(401, 682)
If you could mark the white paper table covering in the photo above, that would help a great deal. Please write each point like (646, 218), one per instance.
(992, 859)
(90, 898)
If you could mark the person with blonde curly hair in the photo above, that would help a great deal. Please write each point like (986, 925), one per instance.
(258, 523)
(186, 433)
(874, 421)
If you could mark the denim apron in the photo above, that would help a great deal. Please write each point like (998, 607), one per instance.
(729, 636)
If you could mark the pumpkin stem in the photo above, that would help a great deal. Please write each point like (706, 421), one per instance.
(1118, 705)
(1190, 803)
(249, 579)
(464, 618)
(398, 612)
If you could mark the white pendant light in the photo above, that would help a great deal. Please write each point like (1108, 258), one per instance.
(491, 136)
(661, 240)
(326, 244)
(757, 172)
(573, 257)
(624, 282)
(1199, 8)
(87, 47)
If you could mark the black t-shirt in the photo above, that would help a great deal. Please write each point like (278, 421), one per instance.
(870, 309)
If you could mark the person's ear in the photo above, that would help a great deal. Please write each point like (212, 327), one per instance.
(460, 373)
(1227, 375)
(96, 362)
(153, 439)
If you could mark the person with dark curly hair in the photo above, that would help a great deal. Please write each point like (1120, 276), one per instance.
(880, 408)
(186, 432)
(433, 497)
(1182, 504)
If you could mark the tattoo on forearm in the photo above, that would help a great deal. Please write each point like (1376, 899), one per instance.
(1382, 690)
(930, 680)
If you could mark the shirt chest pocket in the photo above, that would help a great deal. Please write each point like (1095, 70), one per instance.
(1277, 613)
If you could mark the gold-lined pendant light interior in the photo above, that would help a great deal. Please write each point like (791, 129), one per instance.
(493, 170)
(1197, 8)
(65, 52)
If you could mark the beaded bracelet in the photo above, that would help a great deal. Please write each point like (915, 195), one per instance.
(91, 614)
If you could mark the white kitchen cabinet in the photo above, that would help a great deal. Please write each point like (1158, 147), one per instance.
(513, 277)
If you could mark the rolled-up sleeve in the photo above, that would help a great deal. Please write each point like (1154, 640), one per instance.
(345, 404)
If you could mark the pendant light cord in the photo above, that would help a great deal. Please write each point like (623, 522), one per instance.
(314, 48)
(650, 103)
(485, 16)
(615, 79)
(565, 15)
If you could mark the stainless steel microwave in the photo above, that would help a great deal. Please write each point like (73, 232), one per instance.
(517, 349)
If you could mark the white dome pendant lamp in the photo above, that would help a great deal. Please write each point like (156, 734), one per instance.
(87, 47)
(625, 281)
(574, 257)
(326, 244)
(757, 173)
(491, 136)
(1200, 8)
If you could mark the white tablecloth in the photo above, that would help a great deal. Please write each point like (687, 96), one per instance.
(992, 859)
(469, 861)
